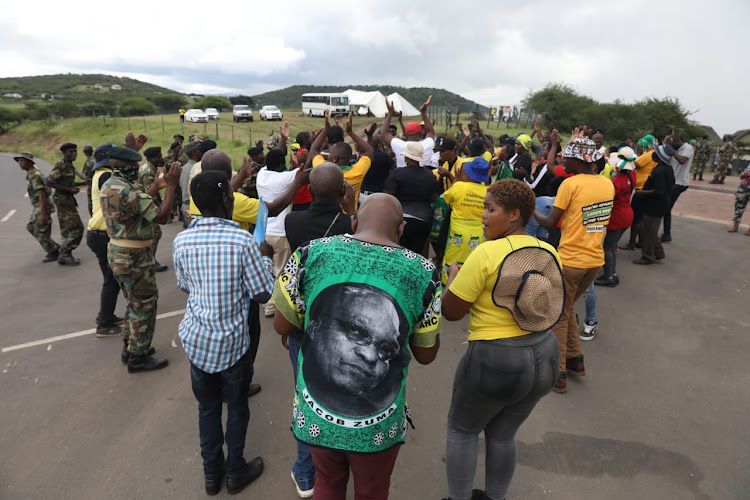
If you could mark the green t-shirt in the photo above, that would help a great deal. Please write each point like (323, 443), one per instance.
(359, 305)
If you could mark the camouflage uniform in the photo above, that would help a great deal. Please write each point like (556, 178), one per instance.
(88, 167)
(168, 160)
(273, 141)
(146, 177)
(725, 156)
(246, 188)
(702, 152)
(742, 196)
(71, 227)
(129, 214)
(42, 232)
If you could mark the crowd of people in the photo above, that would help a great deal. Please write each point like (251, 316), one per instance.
(369, 244)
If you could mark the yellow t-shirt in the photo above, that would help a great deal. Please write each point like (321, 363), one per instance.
(455, 170)
(466, 200)
(245, 210)
(476, 280)
(644, 164)
(96, 222)
(353, 175)
(587, 200)
(608, 171)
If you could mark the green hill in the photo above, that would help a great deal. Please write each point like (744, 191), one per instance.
(72, 86)
(291, 97)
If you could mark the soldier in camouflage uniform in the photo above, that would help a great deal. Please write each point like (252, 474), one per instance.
(273, 141)
(147, 175)
(130, 214)
(88, 171)
(741, 198)
(172, 155)
(40, 195)
(725, 156)
(702, 152)
(62, 178)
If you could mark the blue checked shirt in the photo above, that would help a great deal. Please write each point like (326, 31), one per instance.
(221, 267)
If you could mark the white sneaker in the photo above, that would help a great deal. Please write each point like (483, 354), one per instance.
(589, 331)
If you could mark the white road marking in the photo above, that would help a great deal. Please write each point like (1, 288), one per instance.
(8, 216)
(75, 334)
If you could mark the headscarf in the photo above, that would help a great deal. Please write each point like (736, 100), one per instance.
(647, 141)
(582, 149)
(525, 141)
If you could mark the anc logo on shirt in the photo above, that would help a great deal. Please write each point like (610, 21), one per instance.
(595, 217)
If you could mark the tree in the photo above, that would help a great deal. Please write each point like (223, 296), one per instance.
(169, 102)
(8, 116)
(64, 108)
(242, 99)
(213, 101)
(136, 106)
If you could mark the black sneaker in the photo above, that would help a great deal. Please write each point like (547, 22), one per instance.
(108, 331)
(252, 471)
(145, 363)
(666, 238)
(51, 256)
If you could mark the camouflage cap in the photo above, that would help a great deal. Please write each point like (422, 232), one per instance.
(196, 138)
(124, 154)
(25, 155)
(273, 141)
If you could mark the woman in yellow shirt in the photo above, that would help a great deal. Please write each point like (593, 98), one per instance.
(512, 287)
(466, 199)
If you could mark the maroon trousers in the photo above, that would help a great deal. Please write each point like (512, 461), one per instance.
(372, 473)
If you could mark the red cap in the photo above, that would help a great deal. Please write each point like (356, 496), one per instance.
(413, 128)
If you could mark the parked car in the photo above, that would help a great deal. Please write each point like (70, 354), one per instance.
(242, 112)
(270, 113)
(195, 115)
(212, 113)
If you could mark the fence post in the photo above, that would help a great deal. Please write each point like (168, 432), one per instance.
(217, 130)
(250, 134)
(232, 133)
(162, 124)
(129, 124)
(115, 118)
(144, 124)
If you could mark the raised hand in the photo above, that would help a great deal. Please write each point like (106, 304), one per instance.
(339, 119)
(327, 116)
(349, 128)
(140, 141)
(172, 177)
(285, 129)
(371, 130)
(426, 103)
(389, 105)
(466, 131)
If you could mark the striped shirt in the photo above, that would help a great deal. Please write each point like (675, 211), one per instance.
(221, 267)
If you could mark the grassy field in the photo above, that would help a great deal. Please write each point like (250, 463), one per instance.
(43, 138)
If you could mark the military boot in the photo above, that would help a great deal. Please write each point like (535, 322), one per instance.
(51, 256)
(145, 363)
(125, 355)
(66, 258)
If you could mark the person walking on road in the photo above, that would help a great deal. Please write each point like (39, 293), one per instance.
(146, 178)
(88, 167)
(741, 197)
(40, 196)
(62, 179)
(130, 214)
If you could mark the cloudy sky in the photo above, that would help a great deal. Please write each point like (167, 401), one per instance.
(490, 52)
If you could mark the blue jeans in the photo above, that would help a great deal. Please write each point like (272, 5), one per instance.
(303, 467)
(590, 297)
(208, 389)
(544, 205)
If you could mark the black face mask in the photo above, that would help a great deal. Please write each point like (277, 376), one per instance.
(159, 163)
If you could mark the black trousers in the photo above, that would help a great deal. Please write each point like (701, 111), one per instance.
(97, 241)
(415, 234)
(674, 193)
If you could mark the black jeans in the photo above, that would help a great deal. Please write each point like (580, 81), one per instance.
(674, 193)
(208, 388)
(610, 256)
(97, 241)
(415, 234)
(651, 247)
(497, 385)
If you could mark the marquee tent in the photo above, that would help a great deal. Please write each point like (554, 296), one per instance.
(401, 104)
(362, 103)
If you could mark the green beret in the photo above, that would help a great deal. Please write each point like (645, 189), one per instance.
(67, 146)
(190, 147)
(123, 154)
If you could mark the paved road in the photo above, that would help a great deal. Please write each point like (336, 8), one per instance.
(662, 412)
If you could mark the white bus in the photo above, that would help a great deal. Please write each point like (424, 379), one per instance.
(316, 104)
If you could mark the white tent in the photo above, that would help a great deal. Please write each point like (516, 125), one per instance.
(363, 103)
(401, 104)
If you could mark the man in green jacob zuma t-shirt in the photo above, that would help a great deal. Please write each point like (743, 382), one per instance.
(366, 306)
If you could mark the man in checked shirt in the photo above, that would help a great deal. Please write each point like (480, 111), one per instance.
(222, 268)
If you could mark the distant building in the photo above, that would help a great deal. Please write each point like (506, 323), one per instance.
(116, 87)
(194, 97)
(14, 95)
(97, 86)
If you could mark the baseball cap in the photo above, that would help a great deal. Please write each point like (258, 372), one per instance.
(412, 128)
(445, 144)
(476, 147)
(100, 155)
